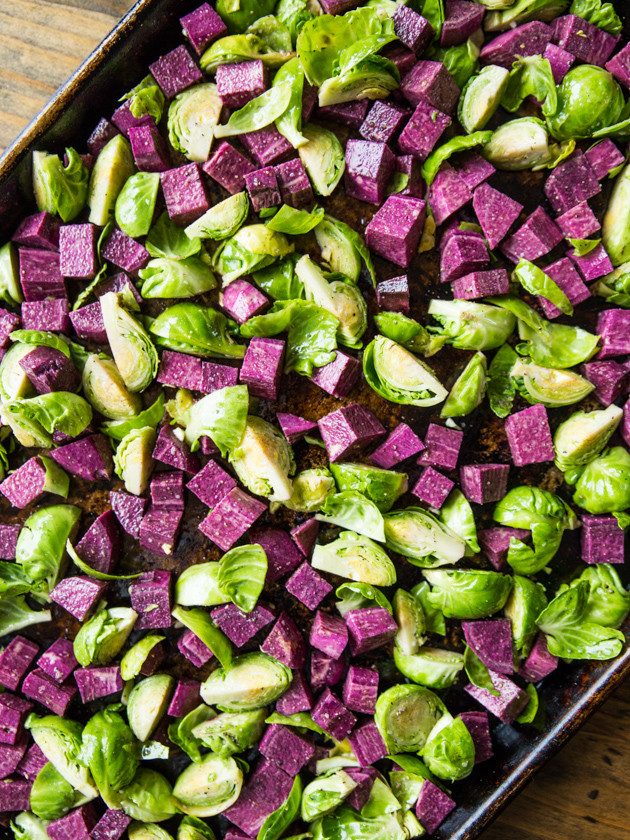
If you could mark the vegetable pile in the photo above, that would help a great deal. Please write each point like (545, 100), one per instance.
(179, 291)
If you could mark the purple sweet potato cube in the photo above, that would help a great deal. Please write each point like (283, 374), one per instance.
(338, 377)
(293, 427)
(40, 687)
(95, 683)
(175, 71)
(211, 484)
(360, 689)
(560, 61)
(412, 30)
(424, 128)
(263, 189)
(185, 698)
(442, 447)
(47, 315)
(369, 629)
(76, 825)
(284, 747)
(242, 301)
(26, 484)
(619, 66)
(77, 250)
(214, 377)
(13, 712)
(484, 483)
(495, 543)
(367, 744)
(297, 698)
(433, 806)
(395, 230)
(40, 230)
(582, 39)
(124, 252)
(480, 284)
(571, 183)
(111, 826)
(348, 430)
(305, 534)
(579, 222)
(529, 436)
(128, 510)
(478, 724)
(11, 755)
(409, 166)
(103, 132)
(78, 595)
(202, 27)
(180, 370)
(463, 252)
(241, 627)
(15, 660)
(430, 81)
(267, 146)
(8, 540)
(151, 598)
(351, 114)
(447, 194)
(384, 122)
(540, 663)
(15, 795)
(285, 643)
(602, 539)
(159, 531)
(508, 704)
(527, 39)
(604, 156)
(265, 790)
(40, 275)
(364, 779)
(194, 649)
(325, 670)
(393, 295)
(167, 490)
(149, 148)
(231, 518)
(294, 183)
(329, 633)
(496, 213)
(172, 450)
(184, 193)
(238, 84)
(538, 235)
(228, 167)
(123, 119)
(609, 378)
(474, 169)
(461, 21)
(32, 763)
(613, 325)
(8, 323)
(333, 717)
(369, 166)
(59, 661)
(89, 458)
(48, 370)
(399, 445)
(88, 323)
(593, 265)
(308, 586)
(262, 367)
(491, 641)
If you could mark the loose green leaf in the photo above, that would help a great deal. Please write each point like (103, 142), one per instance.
(501, 387)
(295, 222)
(279, 820)
(242, 573)
(477, 672)
(536, 282)
(258, 113)
(167, 240)
(222, 415)
(582, 247)
(94, 573)
(598, 13)
(355, 512)
(198, 330)
(531, 76)
(461, 143)
(60, 190)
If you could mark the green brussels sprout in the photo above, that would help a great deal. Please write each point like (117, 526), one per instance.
(14, 383)
(252, 247)
(51, 795)
(354, 512)
(235, 49)
(15, 614)
(149, 798)
(259, 112)
(356, 558)
(373, 78)
(356, 596)
(110, 751)
(323, 158)
(10, 288)
(204, 628)
(198, 586)
(166, 239)
(41, 544)
(192, 117)
(616, 224)
(103, 636)
(461, 61)
(383, 487)
(599, 14)
(336, 248)
(147, 704)
(105, 389)
(34, 421)
(135, 204)
(468, 390)
(422, 538)
(232, 732)
(60, 741)
(449, 752)
(147, 831)
(135, 356)
(468, 594)
(325, 793)
(519, 144)
(407, 787)
(191, 828)
(291, 74)
(151, 416)
(27, 826)
(310, 490)
(456, 513)
(527, 600)
(472, 326)
(531, 76)
(506, 14)
(207, 788)
(58, 189)
(412, 335)
(113, 167)
(411, 621)
(132, 662)
(169, 278)
(145, 98)
(180, 732)
(252, 681)
(133, 459)
(346, 822)
(222, 415)
(263, 460)
(406, 715)
(432, 667)
(550, 387)
(222, 220)
(608, 602)
(589, 99)
(604, 485)
(241, 576)
(197, 330)
(398, 376)
(614, 287)
(481, 97)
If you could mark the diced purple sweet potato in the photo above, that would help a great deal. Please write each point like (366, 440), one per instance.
(463, 252)
(151, 598)
(40, 230)
(508, 704)
(123, 119)
(8, 540)
(78, 595)
(329, 634)
(369, 166)
(159, 530)
(97, 682)
(47, 315)
(284, 747)
(619, 66)
(538, 235)
(264, 191)
(496, 213)
(462, 19)
(602, 539)
(393, 295)
(175, 71)
(412, 30)
(285, 643)
(238, 84)
(40, 687)
(613, 325)
(124, 252)
(211, 484)
(294, 184)
(579, 222)
(560, 60)
(15, 660)
(540, 663)
(338, 377)
(194, 649)
(11, 755)
(349, 429)
(582, 39)
(89, 458)
(484, 483)
(265, 790)
(185, 698)
(88, 323)
(604, 157)
(399, 445)
(111, 826)
(76, 825)
(167, 490)
(529, 436)
(351, 114)
(430, 81)
(409, 166)
(202, 27)
(384, 122)
(395, 230)
(367, 743)
(474, 169)
(262, 367)
(364, 779)
(447, 194)
(26, 484)
(59, 661)
(433, 806)
(297, 698)
(442, 447)
(477, 723)
(242, 301)
(232, 517)
(308, 586)
(215, 376)
(333, 717)
(40, 275)
(495, 543)
(491, 641)
(228, 167)
(369, 629)
(360, 689)
(48, 370)
(128, 510)
(180, 370)
(609, 377)
(480, 284)
(173, 451)
(241, 627)
(305, 534)
(593, 265)
(8, 323)
(571, 183)
(15, 795)
(432, 487)
(103, 132)
(267, 146)
(77, 250)
(424, 128)
(325, 670)
(293, 427)
(527, 39)
(149, 149)
(32, 763)
(13, 713)
(184, 193)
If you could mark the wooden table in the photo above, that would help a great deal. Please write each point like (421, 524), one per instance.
(582, 794)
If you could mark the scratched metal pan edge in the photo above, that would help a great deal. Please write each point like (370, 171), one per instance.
(150, 28)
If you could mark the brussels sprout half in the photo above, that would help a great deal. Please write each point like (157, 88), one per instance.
(103, 636)
(383, 487)
(398, 376)
(356, 558)
(105, 389)
(616, 224)
(60, 741)
(584, 435)
(113, 167)
(208, 787)
(422, 538)
(432, 667)
(323, 158)
(232, 732)
(405, 716)
(263, 460)
(548, 386)
(222, 220)
(192, 117)
(252, 681)
(147, 704)
(135, 356)
(481, 97)
(411, 621)
(468, 325)
(604, 485)
(519, 144)
(310, 490)
(133, 461)
(467, 594)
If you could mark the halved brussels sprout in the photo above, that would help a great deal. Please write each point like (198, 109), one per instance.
(192, 116)
(355, 512)
(468, 325)
(608, 601)
(198, 586)
(27, 826)
(34, 421)
(325, 793)
(198, 330)
(357, 596)
(133, 459)
(383, 487)
(149, 798)
(337, 251)
(449, 752)
(222, 415)
(431, 667)
(113, 166)
(615, 287)
(356, 558)
(616, 224)
(468, 390)
(135, 356)
(584, 435)
(105, 388)
(468, 594)
(222, 220)
(589, 99)
(604, 485)
(10, 288)
(263, 460)
(135, 204)
(310, 490)
(399, 376)
(51, 795)
(373, 78)
(526, 602)
(147, 704)
(422, 538)
(323, 158)
(406, 715)
(519, 144)
(111, 752)
(548, 386)
(481, 97)
(132, 662)
(232, 732)
(191, 828)
(41, 545)
(60, 741)
(58, 189)
(411, 621)
(235, 49)
(252, 681)
(147, 831)
(252, 247)
(457, 514)
(103, 636)
(207, 788)
(14, 383)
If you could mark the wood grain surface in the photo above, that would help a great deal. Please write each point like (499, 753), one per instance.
(582, 793)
